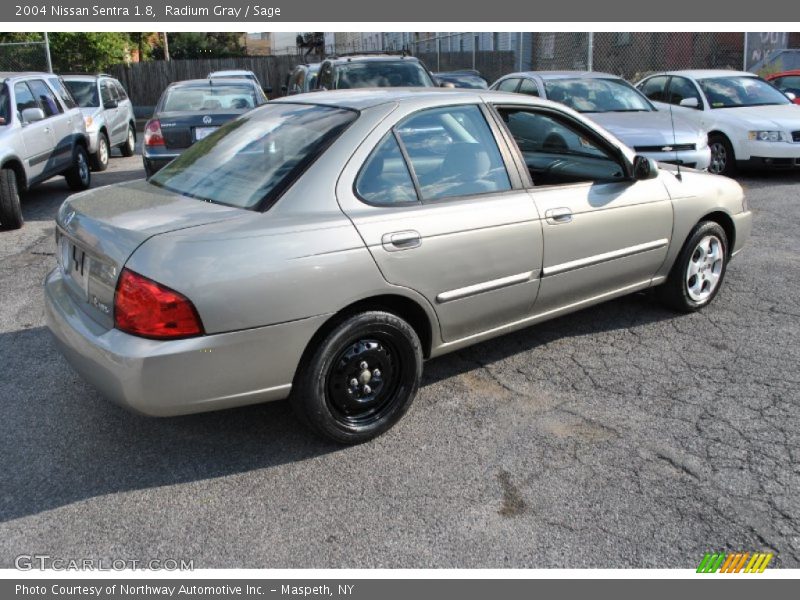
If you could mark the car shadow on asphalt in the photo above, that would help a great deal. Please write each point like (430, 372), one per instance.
(61, 442)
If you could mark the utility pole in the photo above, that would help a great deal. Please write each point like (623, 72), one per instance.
(166, 47)
(47, 53)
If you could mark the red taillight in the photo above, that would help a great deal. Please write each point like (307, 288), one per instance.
(148, 309)
(152, 133)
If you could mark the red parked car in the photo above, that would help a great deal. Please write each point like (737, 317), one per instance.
(787, 81)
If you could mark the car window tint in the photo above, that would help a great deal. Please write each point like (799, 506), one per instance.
(44, 95)
(84, 92)
(557, 152)
(508, 85)
(384, 178)
(24, 97)
(453, 153)
(62, 92)
(106, 93)
(655, 88)
(528, 87)
(681, 88)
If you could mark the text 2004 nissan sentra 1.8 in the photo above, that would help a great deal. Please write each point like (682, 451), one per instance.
(320, 250)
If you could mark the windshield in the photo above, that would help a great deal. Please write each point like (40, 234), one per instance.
(84, 92)
(729, 92)
(465, 81)
(208, 98)
(597, 95)
(252, 160)
(382, 74)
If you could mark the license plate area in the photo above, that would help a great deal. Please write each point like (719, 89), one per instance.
(201, 133)
(75, 265)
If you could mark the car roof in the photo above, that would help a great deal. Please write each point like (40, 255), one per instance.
(21, 74)
(208, 81)
(362, 98)
(373, 58)
(231, 72)
(564, 75)
(707, 73)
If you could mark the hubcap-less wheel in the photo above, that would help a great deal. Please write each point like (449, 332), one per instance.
(719, 158)
(362, 381)
(83, 168)
(102, 152)
(705, 269)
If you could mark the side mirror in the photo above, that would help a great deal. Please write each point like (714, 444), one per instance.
(110, 104)
(31, 115)
(689, 103)
(791, 96)
(644, 168)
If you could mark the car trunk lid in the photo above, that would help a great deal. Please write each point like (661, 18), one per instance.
(97, 232)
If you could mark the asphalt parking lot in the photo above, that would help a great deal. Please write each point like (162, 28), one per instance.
(621, 436)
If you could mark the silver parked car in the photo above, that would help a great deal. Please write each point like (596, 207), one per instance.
(320, 250)
(615, 104)
(108, 114)
(41, 135)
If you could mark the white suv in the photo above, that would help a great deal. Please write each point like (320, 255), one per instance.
(41, 135)
(108, 114)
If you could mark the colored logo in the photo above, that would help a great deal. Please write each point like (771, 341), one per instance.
(738, 562)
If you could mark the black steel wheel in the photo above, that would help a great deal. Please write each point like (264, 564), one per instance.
(361, 379)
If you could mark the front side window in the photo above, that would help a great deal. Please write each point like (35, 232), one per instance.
(655, 88)
(24, 97)
(84, 92)
(44, 95)
(680, 89)
(732, 92)
(106, 94)
(120, 91)
(382, 74)
(557, 151)
(597, 95)
(453, 153)
(384, 179)
(5, 105)
(249, 162)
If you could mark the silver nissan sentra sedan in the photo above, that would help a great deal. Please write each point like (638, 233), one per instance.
(320, 248)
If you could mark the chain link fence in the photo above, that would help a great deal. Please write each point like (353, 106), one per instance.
(23, 56)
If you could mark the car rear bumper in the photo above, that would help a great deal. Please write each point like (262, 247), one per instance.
(165, 378)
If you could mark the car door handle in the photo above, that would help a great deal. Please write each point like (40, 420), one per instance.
(556, 216)
(401, 240)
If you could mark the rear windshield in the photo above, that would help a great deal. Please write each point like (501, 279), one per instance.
(382, 74)
(209, 98)
(252, 160)
(84, 92)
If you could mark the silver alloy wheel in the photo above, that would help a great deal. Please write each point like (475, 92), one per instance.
(83, 168)
(705, 269)
(719, 158)
(102, 151)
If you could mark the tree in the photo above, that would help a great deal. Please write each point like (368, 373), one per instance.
(80, 51)
(184, 45)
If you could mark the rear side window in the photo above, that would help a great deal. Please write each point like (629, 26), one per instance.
(508, 85)
(528, 87)
(44, 95)
(655, 88)
(62, 92)
(453, 153)
(385, 179)
(251, 161)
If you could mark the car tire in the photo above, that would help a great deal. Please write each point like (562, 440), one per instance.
(698, 272)
(100, 158)
(360, 379)
(129, 146)
(723, 160)
(10, 206)
(79, 176)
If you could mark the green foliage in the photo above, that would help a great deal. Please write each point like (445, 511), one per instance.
(201, 45)
(80, 51)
